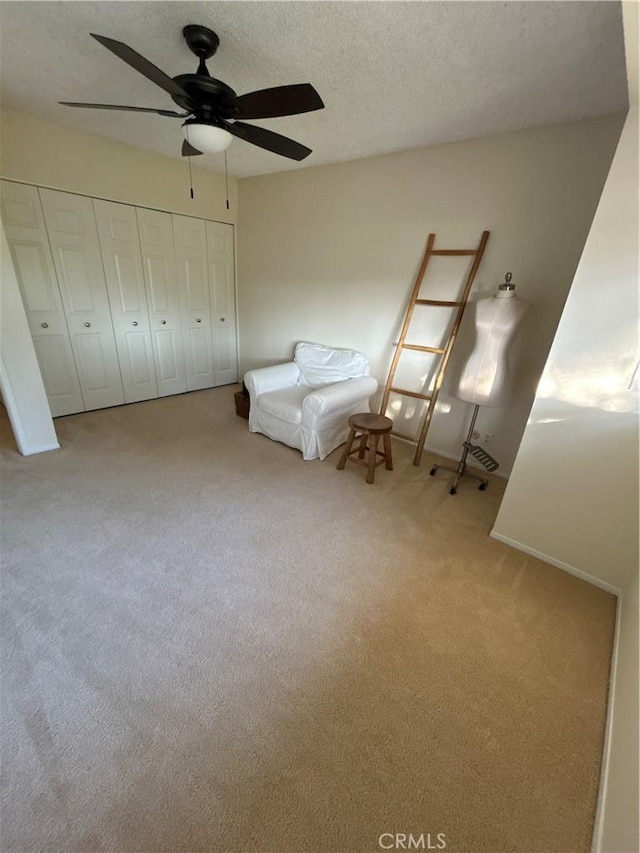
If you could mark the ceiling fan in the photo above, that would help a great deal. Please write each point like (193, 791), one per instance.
(212, 110)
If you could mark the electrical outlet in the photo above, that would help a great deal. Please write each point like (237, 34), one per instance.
(475, 435)
(487, 438)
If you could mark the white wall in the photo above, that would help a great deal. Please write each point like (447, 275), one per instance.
(22, 389)
(65, 158)
(329, 253)
(573, 493)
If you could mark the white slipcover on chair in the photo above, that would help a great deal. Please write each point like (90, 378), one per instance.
(307, 402)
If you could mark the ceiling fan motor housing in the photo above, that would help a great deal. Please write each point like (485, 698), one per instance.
(212, 98)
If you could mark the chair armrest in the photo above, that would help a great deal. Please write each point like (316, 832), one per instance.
(265, 379)
(341, 395)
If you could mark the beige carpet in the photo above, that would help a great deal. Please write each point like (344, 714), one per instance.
(211, 645)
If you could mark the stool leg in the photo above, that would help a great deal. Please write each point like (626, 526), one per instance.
(373, 453)
(388, 461)
(347, 448)
(363, 445)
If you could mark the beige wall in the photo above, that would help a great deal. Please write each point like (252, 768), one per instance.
(329, 253)
(65, 158)
(631, 23)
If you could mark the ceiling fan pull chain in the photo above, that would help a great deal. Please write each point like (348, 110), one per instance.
(226, 178)
(189, 161)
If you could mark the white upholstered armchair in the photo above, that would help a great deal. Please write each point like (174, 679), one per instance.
(307, 402)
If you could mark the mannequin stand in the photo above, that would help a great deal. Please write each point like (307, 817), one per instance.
(478, 452)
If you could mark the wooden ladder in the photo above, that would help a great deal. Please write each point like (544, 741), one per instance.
(444, 352)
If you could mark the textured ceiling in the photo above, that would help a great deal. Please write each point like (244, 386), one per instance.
(393, 75)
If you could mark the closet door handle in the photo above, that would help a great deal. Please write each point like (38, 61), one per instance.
(44, 325)
(222, 319)
(87, 324)
(163, 322)
(135, 323)
(198, 320)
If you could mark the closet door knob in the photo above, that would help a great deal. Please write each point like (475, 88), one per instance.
(164, 322)
(44, 325)
(87, 324)
(222, 319)
(135, 323)
(198, 320)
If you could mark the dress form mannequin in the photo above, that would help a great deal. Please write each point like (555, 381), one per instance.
(485, 376)
(484, 379)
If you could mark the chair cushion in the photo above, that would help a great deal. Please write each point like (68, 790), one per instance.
(285, 403)
(321, 365)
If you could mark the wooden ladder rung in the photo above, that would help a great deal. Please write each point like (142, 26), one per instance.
(410, 393)
(418, 348)
(442, 302)
(459, 252)
(404, 435)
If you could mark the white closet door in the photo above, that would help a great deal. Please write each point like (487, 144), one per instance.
(163, 299)
(223, 301)
(120, 246)
(31, 254)
(193, 280)
(74, 243)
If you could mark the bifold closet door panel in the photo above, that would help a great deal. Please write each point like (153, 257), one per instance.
(120, 247)
(73, 237)
(163, 299)
(29, 246)
(223, 301)
(190, 237)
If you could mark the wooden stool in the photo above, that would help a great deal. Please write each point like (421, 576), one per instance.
(373, 426)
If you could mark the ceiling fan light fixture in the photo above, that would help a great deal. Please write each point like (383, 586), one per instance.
(208, 138)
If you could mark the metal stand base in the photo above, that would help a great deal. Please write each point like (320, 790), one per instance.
(461, 470)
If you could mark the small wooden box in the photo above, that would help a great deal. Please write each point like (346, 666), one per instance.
(242, 403)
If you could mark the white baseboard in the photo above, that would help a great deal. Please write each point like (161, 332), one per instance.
(598, 824)
(598, 828)
(559, 564)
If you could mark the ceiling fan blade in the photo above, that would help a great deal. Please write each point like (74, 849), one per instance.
(142, 65)
(170, 113)
(188, 150)
(279, 101)
(269, 140)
